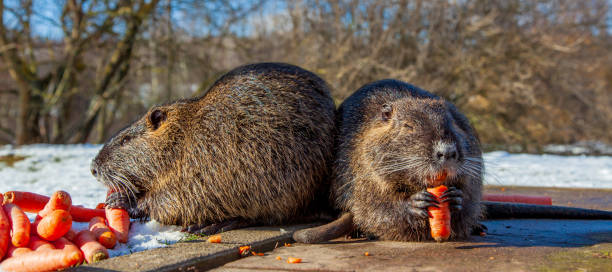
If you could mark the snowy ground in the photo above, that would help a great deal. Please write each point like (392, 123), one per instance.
(48, 168)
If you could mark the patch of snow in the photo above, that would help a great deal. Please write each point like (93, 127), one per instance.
(48, 168)
(503, 168)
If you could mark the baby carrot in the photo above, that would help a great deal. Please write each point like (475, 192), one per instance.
(70, 235)
(94, 251)
(20, 225)
(439, 220)
(102, 233)
(243, 249)
(5, 229)
(34, 203)
(16, 251)
(294, 260)
(38, 244)
(119, 223)
(65, 256)
(60, 200)
(214, 239)
(80, 214)
(54, 225)
(28, 202)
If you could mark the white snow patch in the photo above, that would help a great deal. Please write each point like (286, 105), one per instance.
(48, 168)
(503, 168)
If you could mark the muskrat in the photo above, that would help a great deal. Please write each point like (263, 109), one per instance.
(394, 141)
(256, 148)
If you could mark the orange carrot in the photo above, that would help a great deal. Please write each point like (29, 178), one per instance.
(527, 199)
(80, 214)
(94, 251)
(38, 244)
(28, 202)
(34, 203)
(257, 253)
(70, 235)
(16, 251)
(214, 239)
(294, 260)
(244, 249)
(102, 233)
(439, 220)
(54, 225)
(5, 230)
(60, 200)
(119, 223)
(65, 256)
(20, 225)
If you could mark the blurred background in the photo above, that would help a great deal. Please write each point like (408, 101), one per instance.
(528, 74)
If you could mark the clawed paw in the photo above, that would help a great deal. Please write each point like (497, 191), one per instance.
(421, 201)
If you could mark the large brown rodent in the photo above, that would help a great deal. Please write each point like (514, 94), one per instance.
(256, 148)
(394, 140)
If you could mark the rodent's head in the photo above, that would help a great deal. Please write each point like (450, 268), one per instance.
(141, 153)
(411, 143)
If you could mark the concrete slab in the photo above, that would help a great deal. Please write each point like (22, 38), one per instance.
(197, 254)
(510, 245)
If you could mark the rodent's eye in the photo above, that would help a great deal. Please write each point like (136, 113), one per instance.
(156, 118)
(408, 126)
(125, 139)
(387, 111)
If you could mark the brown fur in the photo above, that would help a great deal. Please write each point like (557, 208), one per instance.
(255, 147)
(381, 162)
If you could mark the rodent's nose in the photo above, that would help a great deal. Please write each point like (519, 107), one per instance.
(445, 151)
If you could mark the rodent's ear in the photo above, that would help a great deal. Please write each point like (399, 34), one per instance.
(156, 118)
(386, 112)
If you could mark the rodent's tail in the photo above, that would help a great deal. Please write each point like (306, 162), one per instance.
(499, 210)
(334, 229)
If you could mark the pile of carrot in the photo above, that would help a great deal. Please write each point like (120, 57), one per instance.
(50, 243)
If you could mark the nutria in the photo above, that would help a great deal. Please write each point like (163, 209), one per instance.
(394, 141)
(255, 148)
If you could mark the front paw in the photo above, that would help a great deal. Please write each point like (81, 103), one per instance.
(421, 201)
(117, 200)
(454, 197)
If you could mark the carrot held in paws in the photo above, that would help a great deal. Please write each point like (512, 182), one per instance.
(94, 251)
(54, 225)
(20, 225)
(119, 223)
(439, 220)
(102, 233)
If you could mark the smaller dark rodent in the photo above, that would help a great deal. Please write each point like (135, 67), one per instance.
(393, 139)
(256, 148)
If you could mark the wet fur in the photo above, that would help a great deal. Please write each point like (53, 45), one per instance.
(381, 163)
(256, 147)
